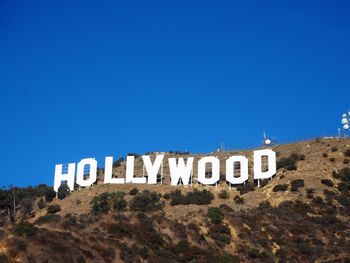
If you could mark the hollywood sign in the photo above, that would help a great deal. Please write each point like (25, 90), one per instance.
(180, 170)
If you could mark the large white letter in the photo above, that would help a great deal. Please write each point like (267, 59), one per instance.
(92, 173)
(243, 161)
(271, 156)
(109, 173)
(215, 170)
(152, 169)
(180, 170)
(69, 177)
(130, 162)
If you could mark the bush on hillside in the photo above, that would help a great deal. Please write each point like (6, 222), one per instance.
(334, 149)
(327, 182)
(215, 215)
(63, 191)
(195, 197)
(224, 194)
(228, 258)
(53, 209)
(133, 191)
(296, 184)
(347, 152)
(221, 234)
(117, 201)
(47, 218)
(146, 201)
(25, 229)
(289, 163)
(106, 202)
(203, 197)
(245, 188)
(238, 200)
(280, 188)
(101, 203)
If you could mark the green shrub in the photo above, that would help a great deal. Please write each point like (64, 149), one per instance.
(106, 201)
(327, 182)
(228, 258)
(117, 201)
(25, 229)
(101, 203)
(346, 161)
(46, 219)
(52, 209)
(50, 194)
(334, 149)
(223, 194)
(343, 174)
(119, 230)
(296, 184)
(253, 253)
(4, 258)
(280, 188)
(133, 191)
(63, 191)
(146, 201)
(177, 198)
(343, 200)
(215, 215)
(196, 197)
(181, 247)
(245, 188)
(289, 163)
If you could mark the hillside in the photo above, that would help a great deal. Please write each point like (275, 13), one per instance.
(300, 215)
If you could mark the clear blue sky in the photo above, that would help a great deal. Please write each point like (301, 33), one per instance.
(99, 78)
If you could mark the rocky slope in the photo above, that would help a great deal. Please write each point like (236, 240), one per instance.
(301, 215)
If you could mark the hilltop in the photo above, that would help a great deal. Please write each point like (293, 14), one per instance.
(300, 215)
